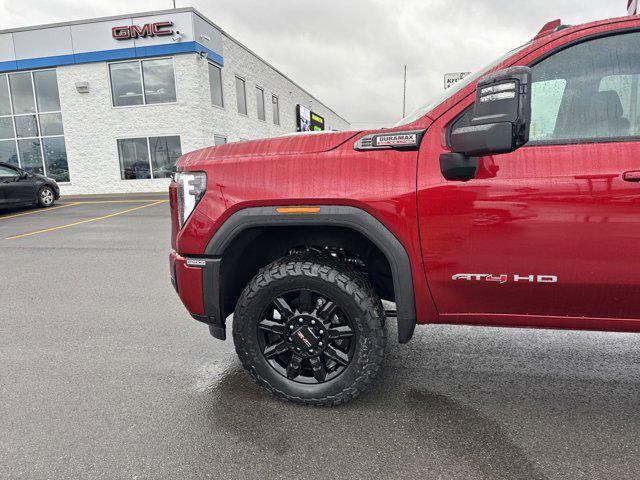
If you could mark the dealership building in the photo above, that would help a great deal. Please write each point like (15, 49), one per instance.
(107, 105)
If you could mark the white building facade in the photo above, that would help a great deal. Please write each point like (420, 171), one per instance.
(108, 105)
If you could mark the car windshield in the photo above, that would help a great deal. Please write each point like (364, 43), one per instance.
(442, 96)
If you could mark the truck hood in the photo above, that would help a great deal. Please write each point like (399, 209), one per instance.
(290, 145)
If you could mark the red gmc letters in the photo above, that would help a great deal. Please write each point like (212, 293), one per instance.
(157, 29)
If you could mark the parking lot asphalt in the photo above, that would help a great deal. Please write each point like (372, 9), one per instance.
(104, 375)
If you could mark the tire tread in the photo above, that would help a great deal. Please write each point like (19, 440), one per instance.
(345, 277)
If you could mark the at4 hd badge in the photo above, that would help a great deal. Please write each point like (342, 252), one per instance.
(504, 278)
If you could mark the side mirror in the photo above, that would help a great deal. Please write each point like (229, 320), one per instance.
(23, 175)
(502, 115)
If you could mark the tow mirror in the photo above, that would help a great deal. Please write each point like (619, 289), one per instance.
(500, 122)
(502, 115)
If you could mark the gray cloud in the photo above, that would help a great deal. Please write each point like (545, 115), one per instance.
(350, 53)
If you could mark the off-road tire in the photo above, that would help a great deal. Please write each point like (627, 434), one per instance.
(336, 280)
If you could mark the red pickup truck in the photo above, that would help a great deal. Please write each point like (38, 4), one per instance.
(511, 199)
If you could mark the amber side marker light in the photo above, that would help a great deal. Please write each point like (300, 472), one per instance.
(298, 209)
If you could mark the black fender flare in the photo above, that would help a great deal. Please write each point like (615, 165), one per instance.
(339, 216)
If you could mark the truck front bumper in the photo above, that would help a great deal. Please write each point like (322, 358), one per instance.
(197, 282)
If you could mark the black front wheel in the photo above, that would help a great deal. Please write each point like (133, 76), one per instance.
(310, 330)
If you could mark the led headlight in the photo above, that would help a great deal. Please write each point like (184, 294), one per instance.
(191, 188)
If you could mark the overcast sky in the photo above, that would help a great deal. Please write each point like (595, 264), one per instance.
(351, 53)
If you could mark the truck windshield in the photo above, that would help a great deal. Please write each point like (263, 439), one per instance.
(442, 96)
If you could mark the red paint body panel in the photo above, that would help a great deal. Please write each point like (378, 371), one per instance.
(382, 185)
(556, 210)
(559, 210)
(189, 283)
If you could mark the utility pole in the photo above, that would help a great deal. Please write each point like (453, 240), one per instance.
(404, 93)
(174, 4)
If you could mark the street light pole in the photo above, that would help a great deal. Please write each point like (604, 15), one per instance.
(404, 93)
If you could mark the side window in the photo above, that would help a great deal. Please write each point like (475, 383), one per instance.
(8, 172)
(587, 92)
(546, 97)
(626, 86)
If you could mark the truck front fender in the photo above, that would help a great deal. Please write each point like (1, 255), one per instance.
(335, 216)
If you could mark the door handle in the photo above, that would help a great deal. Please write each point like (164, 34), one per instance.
(631, 176)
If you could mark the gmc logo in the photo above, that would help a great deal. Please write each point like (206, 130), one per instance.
(158, 29)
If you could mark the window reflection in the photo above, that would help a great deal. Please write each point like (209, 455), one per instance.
(126, 84)
(31, 155)
(157, 76)
(145, 158)
(51, 124)
(5, 103)
(8, 152)
(46, 83)
(215, 85)
(165, 152)
(26, 126)
(134, 158)
(6, 128)
(22, 93)
(241, 96)
(55, 158)
(31, 133)
(159, 81)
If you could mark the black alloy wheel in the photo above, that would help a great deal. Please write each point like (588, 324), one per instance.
(310, 329)
(306, 337)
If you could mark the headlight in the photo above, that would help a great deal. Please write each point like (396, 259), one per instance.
(191, 188)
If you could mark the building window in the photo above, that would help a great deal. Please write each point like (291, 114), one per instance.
(155, 75)
(22, 93)
(241, 95)
(275, 102)
(219, 139)
(47, 97)
(215, 85)
(159, 81)
(260, 102)
(148, 157)
(31, 130)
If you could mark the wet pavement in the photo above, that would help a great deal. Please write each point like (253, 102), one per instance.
(104, 375)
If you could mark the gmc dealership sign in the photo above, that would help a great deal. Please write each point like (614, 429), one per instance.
(157, 29)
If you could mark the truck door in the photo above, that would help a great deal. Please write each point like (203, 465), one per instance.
(548, 234)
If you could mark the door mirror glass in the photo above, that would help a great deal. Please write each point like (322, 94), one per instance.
(501, 116)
